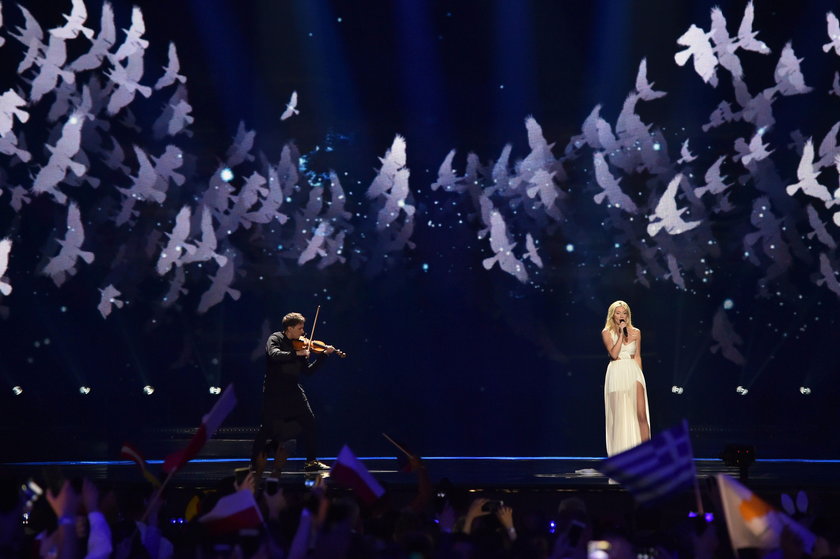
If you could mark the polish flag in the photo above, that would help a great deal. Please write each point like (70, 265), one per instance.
(209, 424)
(238, 511)
(754, 523)
(350, 472)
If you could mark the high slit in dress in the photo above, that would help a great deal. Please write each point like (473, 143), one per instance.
(620, 400)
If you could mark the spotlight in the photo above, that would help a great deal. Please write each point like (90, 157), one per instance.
(148, 390)
(84, 390)
(17, 390)
(215, 390)
(804, 390)
(226, 174)
(677, 389)
(741, 390)
(740, 456)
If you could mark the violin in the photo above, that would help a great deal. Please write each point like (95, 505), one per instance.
(315, 346)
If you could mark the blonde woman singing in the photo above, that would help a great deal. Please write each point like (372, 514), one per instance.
(625, 391)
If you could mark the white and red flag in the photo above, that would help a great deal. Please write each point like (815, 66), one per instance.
(209, 424)
(350, 472)
(754, 523)
(234, 512)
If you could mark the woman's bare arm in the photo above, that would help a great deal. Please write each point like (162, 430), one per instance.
(613, 348)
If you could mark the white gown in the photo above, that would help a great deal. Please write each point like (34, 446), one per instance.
(620, 400)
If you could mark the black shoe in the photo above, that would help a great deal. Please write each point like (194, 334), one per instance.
(315, 466)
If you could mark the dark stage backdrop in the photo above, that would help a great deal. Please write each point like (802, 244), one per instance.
(163, 207)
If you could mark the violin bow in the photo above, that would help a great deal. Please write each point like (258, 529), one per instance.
(314, 322)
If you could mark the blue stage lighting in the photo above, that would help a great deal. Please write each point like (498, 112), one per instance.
(226, 174)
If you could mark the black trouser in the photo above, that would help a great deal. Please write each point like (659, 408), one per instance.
(281, 429)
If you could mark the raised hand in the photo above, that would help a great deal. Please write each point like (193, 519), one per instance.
(248, 483)
(66, 503)
(476, 509)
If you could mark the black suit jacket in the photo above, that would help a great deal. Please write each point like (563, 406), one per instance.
(283, 397)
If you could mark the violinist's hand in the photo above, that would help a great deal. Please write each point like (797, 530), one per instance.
(303, 352)
(330, 349)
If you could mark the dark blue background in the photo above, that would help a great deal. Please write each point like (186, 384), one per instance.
(454, 360)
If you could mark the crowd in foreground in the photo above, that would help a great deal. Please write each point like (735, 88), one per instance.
(77, 519)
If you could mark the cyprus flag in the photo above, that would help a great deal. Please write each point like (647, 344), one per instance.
(752, 522)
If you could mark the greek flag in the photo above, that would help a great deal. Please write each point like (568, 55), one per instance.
(657, 468)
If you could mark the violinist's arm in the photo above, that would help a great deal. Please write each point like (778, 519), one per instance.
(276, 352)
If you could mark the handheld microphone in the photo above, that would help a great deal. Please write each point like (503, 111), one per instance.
(623, 327)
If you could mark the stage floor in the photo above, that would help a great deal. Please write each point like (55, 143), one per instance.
(491, 472)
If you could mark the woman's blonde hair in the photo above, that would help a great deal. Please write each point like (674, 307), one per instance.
(610, 325)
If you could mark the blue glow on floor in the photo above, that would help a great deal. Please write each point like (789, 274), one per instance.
(426, 458)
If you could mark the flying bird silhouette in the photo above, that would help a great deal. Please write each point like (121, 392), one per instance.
(645, 88)
(833, 33)
(74, 23)
(807, 175)
(5, 250)
(108, 300)
(64, 263)
(666, 215)
(291, 107)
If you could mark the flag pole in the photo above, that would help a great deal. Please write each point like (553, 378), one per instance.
(393, 442)
(155, 498)
(698, 499)
(156, 495)
(697, 496)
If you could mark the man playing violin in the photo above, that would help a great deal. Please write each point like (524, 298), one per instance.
(284, 401)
